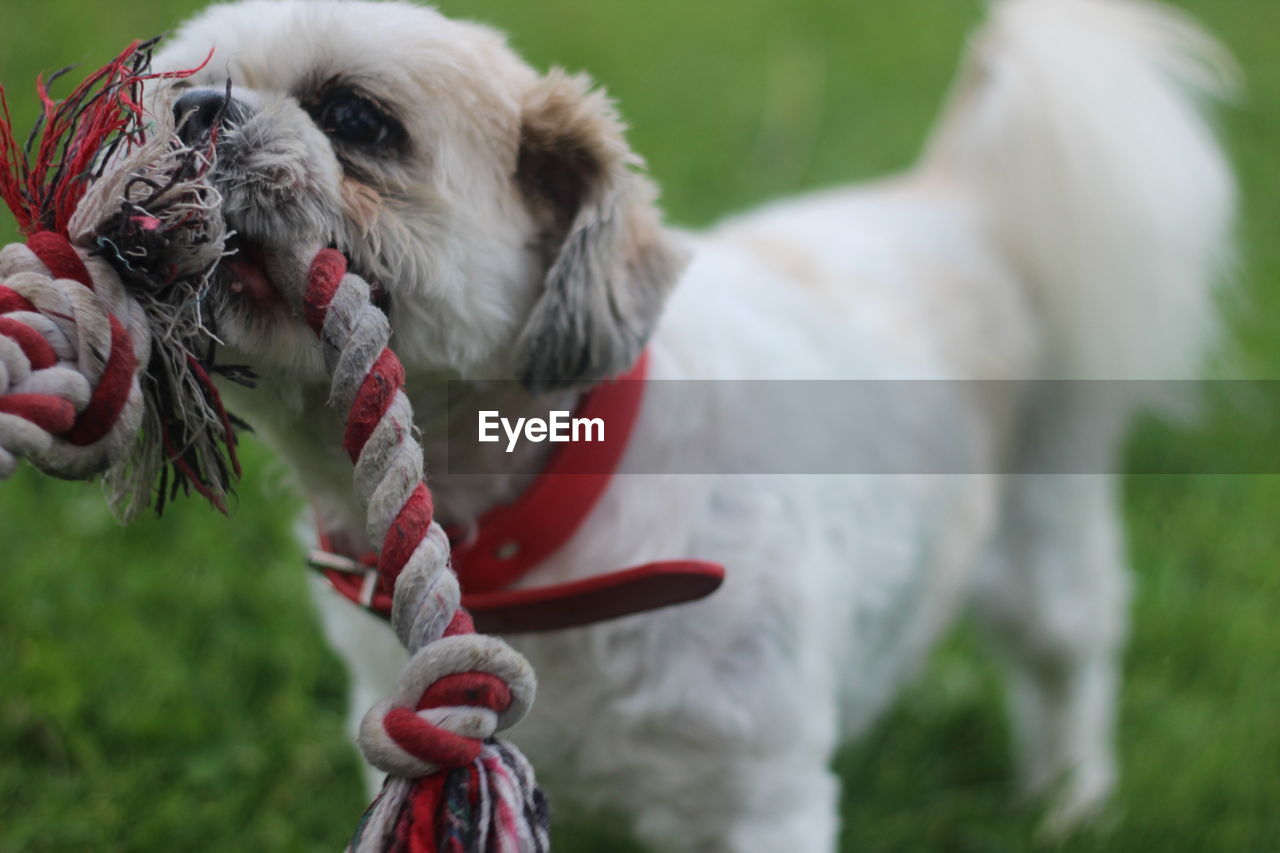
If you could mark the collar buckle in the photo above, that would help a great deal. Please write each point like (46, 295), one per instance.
(327, 562)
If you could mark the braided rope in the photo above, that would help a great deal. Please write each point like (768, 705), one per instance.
(70, 368)
(449, 779)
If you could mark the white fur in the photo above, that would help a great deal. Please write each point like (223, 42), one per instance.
(1066, 220)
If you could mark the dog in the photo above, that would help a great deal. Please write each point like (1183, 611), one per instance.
(1068, 219)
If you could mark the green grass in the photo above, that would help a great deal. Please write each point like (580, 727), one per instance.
(166, 687)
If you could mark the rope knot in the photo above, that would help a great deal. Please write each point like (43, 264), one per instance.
(467, 689)
(70, 397)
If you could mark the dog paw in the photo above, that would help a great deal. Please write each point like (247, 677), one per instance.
(1079, 803)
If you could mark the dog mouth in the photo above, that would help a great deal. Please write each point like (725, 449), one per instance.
(245, 273)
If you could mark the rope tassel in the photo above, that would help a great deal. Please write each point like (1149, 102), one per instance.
(451, 786)
(123, 230)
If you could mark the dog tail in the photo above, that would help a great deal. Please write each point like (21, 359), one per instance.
(1082, 127)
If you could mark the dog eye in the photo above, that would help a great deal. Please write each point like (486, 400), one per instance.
(354, 120)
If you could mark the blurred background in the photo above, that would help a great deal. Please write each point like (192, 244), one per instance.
(165, 686)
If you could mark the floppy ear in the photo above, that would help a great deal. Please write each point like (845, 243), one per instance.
(609, 263)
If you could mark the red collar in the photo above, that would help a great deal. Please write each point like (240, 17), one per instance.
(507, 542)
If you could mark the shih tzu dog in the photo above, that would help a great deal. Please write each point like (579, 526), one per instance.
(1066, 220)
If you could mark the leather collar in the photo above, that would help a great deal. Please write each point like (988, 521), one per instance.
(505, 543)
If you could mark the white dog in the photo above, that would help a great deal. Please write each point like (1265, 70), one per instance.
(1067, 219)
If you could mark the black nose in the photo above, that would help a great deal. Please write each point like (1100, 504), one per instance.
(199, 110)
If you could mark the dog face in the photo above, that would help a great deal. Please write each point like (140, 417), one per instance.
(498, 215)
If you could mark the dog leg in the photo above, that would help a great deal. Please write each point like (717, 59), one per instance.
(746, 804)
(706, 739)
(1052, 597)
(371, 653)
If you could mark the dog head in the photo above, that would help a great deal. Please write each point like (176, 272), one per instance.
(499, 215)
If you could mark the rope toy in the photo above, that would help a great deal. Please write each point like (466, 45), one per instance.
(99, 326)
(448, 779)
(123, 235)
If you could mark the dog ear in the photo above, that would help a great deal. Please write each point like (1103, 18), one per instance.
(609, 263)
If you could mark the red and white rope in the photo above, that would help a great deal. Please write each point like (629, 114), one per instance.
(70, 366)
(459, 688)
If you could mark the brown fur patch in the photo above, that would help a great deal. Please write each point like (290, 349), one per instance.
(609, 263)
(793, 261)
(361, 204)
(570, 140)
